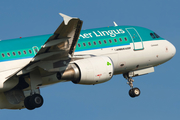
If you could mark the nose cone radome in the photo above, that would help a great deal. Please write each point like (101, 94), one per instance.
(172, 50)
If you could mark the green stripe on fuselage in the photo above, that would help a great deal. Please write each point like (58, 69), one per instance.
(91, 35)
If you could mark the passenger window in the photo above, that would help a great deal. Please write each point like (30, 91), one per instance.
(115, 40)
(125, 39)
(8, 54)
(152, 35)
(14, 53)
(110, 41)
(94, 43)
(36, 50)
(19, 52)
(24, 52)
(79, 45)
(99, 42)
(157, 35)
(89, 43)
(120, 39)
(3, 55)
(84, 44)
(30, 51)
(105, 41)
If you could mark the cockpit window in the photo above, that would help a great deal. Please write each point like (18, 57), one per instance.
(157, 35)
(152, 35)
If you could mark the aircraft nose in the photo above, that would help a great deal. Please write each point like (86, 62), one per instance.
(172, 50)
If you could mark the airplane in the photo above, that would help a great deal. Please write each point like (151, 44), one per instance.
(86, 57)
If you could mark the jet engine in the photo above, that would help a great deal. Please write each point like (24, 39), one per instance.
(89, 71)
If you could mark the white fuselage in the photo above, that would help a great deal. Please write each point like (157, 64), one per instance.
(124, 58)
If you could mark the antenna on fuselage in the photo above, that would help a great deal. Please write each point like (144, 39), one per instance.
(115, 23)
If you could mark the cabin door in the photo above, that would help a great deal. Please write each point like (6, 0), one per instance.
(136, 38)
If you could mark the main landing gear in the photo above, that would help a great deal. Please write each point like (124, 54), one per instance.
(133, 92)
(34, 101)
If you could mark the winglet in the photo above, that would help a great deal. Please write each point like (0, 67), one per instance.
(66, 18)
(115, 23)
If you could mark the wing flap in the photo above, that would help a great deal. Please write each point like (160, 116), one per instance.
(45, 55)
(54, 42)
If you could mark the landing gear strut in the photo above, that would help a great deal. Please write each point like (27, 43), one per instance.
(133, 92)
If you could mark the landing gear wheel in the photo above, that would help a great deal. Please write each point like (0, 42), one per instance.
(36, 100)
(134, 92)
(28, 104)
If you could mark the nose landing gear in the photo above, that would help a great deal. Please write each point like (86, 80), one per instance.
(133, 92)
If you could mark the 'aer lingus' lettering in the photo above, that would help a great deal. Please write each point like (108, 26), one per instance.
(98, 33)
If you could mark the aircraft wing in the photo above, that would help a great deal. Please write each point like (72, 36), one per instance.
(58, 49)
(63, 41)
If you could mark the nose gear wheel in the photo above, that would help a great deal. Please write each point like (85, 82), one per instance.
(134, 92)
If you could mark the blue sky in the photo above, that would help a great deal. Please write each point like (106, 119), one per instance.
(160, 96)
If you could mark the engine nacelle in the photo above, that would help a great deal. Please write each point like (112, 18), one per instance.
(89, 71)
